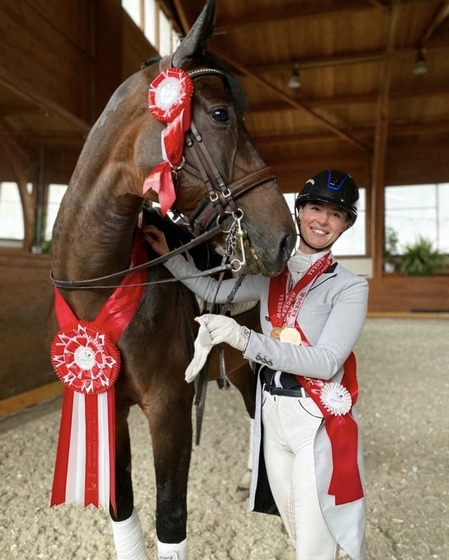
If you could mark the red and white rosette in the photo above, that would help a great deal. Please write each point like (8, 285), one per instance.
(88, 363)
(336, 399)
(169, 94)
(85, 359)
(169, 101)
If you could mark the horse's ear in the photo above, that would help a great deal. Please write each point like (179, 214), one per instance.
(196, 39)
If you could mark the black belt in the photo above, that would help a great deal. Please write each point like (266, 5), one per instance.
(298, 393)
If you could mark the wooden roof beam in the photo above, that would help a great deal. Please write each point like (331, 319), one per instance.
(338, 60)
(293, 102)
(45, 104)
(377, 4)
(366, 132)
(376, 221)
(274, 17)
(438, 19)
(319, 102)
(185, 24)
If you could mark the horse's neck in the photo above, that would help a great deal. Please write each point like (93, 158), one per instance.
(94, 239)
(93, 234)
(96, 233)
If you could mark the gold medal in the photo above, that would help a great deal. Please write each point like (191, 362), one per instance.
(291, 335)
(276, 332)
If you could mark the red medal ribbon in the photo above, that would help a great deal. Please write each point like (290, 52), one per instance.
(86, 359)
(170, 92)
(278, 290)
(346, 485)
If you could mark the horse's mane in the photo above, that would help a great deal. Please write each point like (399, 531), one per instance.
(234, 87)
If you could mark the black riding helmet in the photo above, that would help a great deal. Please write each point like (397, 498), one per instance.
(334, 187)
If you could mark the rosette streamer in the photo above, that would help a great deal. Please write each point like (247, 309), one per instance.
(169, 101)
(346, 484)
(86, 359)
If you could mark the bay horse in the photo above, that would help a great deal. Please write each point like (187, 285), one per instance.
(222, 185)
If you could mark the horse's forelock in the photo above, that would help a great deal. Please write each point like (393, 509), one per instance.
(236, 90)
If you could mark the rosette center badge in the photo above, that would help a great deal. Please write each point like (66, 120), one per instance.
(85, 359)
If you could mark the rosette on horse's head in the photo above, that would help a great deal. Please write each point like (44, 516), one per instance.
(169, 101)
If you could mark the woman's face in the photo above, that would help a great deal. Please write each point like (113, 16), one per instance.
(321, 225)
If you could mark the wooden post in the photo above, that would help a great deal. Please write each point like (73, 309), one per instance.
(22, 163)
(377, 220)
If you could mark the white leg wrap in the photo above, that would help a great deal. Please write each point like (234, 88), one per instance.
(168, 551)
(128, 539)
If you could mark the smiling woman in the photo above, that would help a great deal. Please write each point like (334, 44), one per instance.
(353, 243)
(311, 315)
(322, 225)
(327, 205)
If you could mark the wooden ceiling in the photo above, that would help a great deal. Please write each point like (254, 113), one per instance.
(356, 61)
(360, 107)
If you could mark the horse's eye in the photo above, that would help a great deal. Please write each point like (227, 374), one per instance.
(220, 115)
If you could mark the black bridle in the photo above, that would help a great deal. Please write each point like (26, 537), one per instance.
(221, 196)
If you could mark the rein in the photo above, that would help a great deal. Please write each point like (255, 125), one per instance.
(88, 284)
(235, 233)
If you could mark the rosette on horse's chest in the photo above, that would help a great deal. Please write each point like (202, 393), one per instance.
(85, 359)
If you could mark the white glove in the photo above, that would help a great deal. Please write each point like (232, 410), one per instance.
(225, 329)
(214, 329)
(202, 347)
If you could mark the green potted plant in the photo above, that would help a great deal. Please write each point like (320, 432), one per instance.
(390, 250)
(421, 259)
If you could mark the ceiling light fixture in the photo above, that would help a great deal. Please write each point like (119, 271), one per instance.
(420, 64)
(293, 82)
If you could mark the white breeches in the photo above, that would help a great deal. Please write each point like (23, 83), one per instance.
(289, 428)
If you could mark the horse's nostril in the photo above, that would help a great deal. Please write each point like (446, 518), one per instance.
(288, 245)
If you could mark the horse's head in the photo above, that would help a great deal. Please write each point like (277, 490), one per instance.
(221, 174)
(210, 169)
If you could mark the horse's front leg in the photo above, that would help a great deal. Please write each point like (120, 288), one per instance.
(170, 419)
(126, 527)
